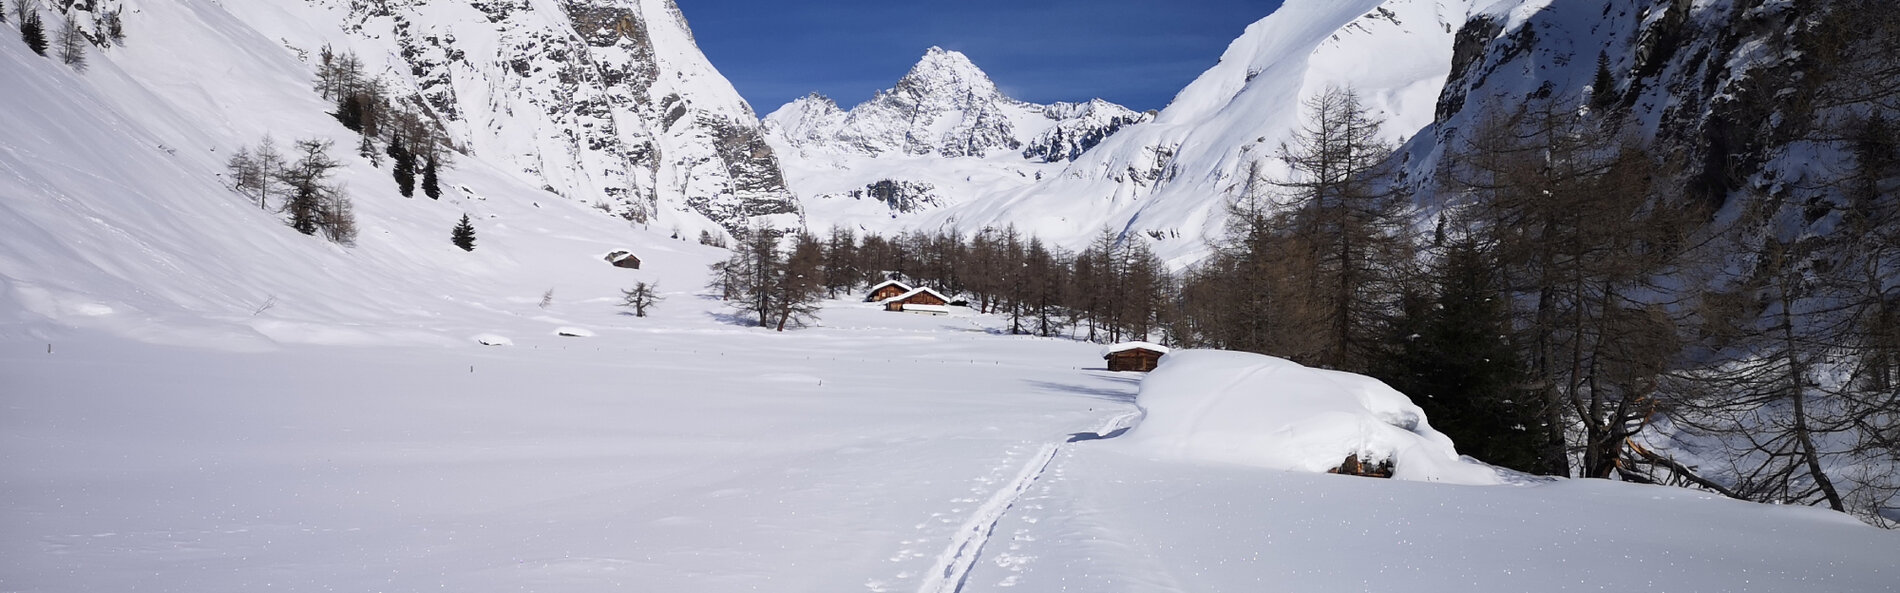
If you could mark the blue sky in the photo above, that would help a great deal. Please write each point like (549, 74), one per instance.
(1135, 52)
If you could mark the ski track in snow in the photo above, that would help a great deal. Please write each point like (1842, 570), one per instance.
(952, 568)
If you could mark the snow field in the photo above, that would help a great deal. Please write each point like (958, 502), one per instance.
(1110, 521)
(699, 456)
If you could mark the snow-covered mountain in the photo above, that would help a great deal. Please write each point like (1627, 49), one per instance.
(946, 106)
(942, 135)
(1168, 179)
(608, 102)
(116, 211)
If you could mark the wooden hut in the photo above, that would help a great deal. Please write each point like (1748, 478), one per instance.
(886, 290)
(624, 259)
(1134, 356)
(918, 297)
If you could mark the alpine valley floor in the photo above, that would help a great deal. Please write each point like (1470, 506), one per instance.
(876, 452)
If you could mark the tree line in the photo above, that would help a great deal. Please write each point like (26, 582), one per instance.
(1113, 290)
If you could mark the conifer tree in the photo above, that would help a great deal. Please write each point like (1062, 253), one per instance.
(1449, 350)
(403, 165)
(430, 186)
(463, 235)
(1603, 86)
(33, 32)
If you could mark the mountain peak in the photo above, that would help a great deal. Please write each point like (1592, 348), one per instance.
(949, 73)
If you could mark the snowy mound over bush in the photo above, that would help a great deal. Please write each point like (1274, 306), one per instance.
(1249, 409)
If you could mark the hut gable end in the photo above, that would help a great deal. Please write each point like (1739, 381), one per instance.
(886, 290)
(916, 296)
(1134, 356)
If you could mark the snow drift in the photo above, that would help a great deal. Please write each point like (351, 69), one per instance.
(1249, 409)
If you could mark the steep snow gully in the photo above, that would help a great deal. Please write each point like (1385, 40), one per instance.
(952, 569)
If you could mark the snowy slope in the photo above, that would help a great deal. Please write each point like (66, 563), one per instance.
(1172, 176)
(116, 216)
(942, 135)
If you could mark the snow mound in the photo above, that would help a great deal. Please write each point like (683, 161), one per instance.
(1249, 409)
(494, 340)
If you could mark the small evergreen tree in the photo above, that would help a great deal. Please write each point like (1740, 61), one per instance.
(33, 32)
(463, 235)
(404, 166)
(1603, 86)
(1450, 351)
(350, 112)
(430, 186)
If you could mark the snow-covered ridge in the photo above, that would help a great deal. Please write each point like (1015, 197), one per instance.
(1171, 176)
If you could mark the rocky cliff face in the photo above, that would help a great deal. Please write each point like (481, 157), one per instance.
(1733, 90)
(605, 101)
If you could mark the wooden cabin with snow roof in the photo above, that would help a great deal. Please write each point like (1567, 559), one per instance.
(1139, 357)
(886, 290)
(918, 300)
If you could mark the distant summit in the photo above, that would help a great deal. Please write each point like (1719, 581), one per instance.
(946, 106)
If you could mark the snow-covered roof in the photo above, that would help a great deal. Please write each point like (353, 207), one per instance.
(914, 292)
(890, 283)
(1126, 346)
(940, 309)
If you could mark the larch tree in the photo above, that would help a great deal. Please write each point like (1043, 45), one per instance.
(641, 297)
(72, 44)
(1340, 204)
(313, 202)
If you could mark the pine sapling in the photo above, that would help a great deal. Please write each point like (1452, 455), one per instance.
(463, 236)
(33, 32)
(430, 187)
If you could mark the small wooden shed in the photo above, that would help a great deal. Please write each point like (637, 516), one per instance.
(624, 259)
(885, 290)
(914, 297)
(1134, 356)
